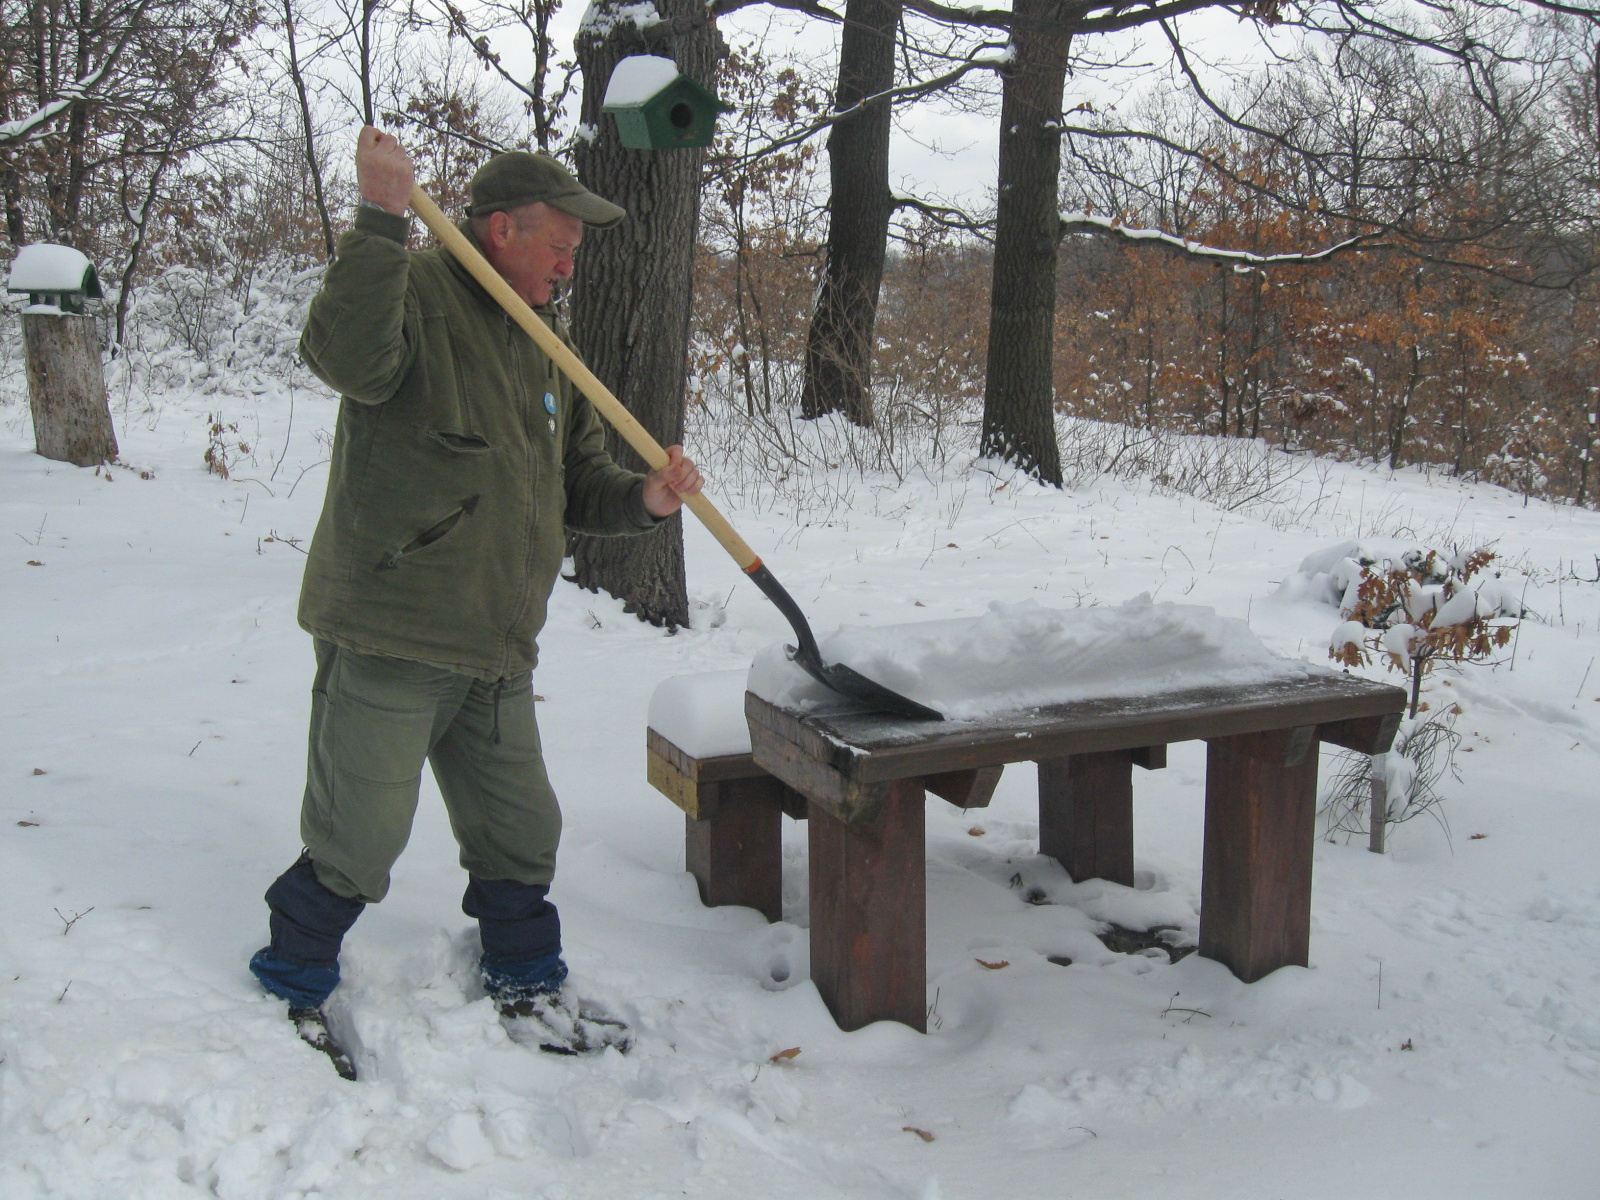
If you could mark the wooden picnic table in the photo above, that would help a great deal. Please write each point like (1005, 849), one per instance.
(863, 779)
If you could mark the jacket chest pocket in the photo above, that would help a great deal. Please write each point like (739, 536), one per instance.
(457, 443)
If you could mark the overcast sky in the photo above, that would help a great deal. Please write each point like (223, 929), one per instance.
(937, 151)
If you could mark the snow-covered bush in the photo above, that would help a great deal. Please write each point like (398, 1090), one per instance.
(1417, 607)
(188, 331)
(1413, 607)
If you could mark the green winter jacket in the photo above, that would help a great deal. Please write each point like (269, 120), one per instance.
(461, 457)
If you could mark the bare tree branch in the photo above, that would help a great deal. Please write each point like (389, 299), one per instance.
(81, 91)
(948, 217)
(980, 61)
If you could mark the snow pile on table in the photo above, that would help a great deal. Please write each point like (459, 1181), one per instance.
(1023, 655)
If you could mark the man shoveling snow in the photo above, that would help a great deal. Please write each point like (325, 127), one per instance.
(461, 458)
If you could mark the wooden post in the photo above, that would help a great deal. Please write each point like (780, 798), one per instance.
(736, 853)
(1378, 830)
(1086, 814)
(67, 389)
(869, 911)
(1255, 889)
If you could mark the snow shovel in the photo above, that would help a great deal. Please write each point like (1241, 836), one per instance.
(836, 676)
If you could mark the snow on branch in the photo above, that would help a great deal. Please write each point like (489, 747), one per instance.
(946, 216)
(1242, 260)
(723, 7)
(37, 123)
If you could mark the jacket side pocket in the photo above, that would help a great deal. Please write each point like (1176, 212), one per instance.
(433, 533)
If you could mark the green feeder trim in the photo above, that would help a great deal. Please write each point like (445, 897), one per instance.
(657, 107)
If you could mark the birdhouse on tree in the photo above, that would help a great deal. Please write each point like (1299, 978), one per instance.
(66, 386)
(54, 276)
(657, 107)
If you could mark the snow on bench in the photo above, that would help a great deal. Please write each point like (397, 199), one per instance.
(1023, 655)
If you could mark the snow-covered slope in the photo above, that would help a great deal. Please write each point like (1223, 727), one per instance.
(1445, 1041)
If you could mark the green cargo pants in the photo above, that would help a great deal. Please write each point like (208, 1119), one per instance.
(374, 721)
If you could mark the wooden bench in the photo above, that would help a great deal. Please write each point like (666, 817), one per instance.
(863, 778)
(733, 819)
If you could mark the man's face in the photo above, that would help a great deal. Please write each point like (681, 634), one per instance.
(532, 248)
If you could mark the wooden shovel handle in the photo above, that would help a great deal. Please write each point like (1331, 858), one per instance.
(607, 405)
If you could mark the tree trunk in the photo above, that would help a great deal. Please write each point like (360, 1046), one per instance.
(308, 132)
(67, 390)
(1019, 394)
(1224, 379)
(1400, 418)
(839, 342)
(141, 228)
(631, 296)
(11, 192)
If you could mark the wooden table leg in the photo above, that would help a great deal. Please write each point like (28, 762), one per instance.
(1255, 893)
(736, 854)
(1086, 814)
(869, 912)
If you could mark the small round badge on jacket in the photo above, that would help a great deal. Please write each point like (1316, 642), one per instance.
(550, 403)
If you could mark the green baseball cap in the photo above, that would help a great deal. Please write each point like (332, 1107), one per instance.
(517, 177)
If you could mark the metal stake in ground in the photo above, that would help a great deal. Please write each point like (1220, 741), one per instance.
(836, 677)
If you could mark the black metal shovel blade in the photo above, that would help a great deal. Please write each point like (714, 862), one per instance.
(849, 682)
(836, 677)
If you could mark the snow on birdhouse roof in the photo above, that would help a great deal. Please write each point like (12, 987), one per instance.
(45, 267)
(638, 78)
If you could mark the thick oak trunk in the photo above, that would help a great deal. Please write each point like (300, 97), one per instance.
(67, 390)
(631, 295)
(1019, 398)
(839, 343)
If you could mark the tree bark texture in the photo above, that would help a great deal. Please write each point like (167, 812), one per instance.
(67, 390)
(1019, 399)
(631, 294)
(838, 374)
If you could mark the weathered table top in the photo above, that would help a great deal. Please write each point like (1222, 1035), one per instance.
(844, 758)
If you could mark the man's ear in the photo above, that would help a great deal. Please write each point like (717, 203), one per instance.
(499, 229)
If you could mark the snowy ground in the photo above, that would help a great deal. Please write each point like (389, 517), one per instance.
(1445, 1041)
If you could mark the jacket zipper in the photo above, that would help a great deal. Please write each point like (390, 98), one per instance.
(518, 348)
